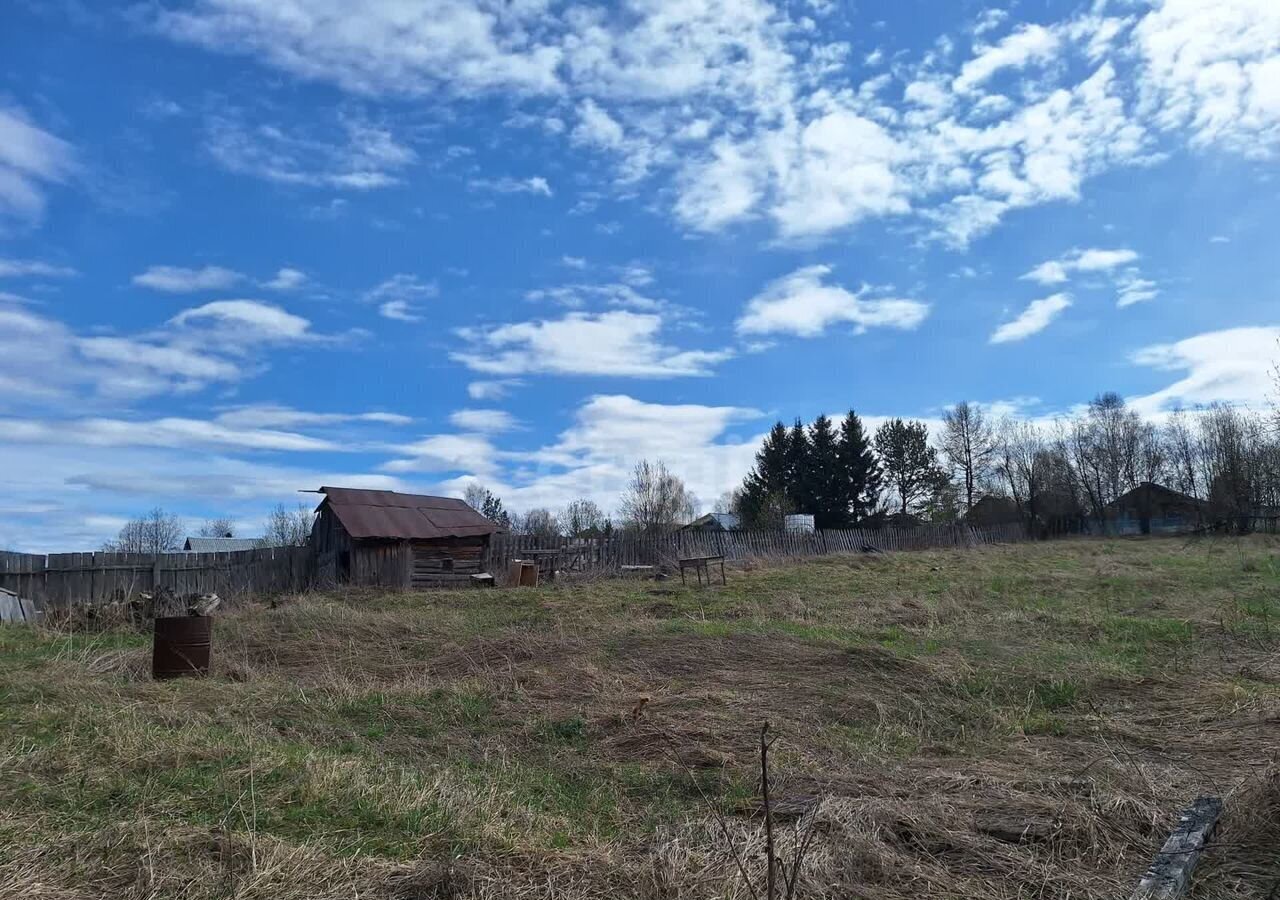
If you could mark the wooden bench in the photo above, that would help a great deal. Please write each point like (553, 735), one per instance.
(702, 565)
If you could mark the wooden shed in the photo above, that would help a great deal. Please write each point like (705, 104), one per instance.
(394, 540)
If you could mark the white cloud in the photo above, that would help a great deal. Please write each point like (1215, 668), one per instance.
(365, 157)
(397, 297)
(171, 431)
(507, 185)
(801, 304)
(178, 280)
(1131, 288)
(618, 343)
(382, 47)
(1030, 43)
(251, 320)
(751, 114)
(33, 268)
(1229, 366)
(1212, 68)
(573, 262)
(286, 279)
(724, 187)
(845, 170)
(1102, 260)
(399, 311)
(31, 159)
(483, 420)
(402, 286)
(1057, 271)
(266, 415)
(491, 390)
(596, 127)
(594, 456)
(72, 369)
(445, 453)
(191, 365)
(1035, 318)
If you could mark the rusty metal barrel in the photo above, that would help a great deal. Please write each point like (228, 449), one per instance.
(181, 646)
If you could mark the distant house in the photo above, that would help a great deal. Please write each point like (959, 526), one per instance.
(715, 521)
(993, 510)
(1152, 508)
(389, 539)
(222, 544)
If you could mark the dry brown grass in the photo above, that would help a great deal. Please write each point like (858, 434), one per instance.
(1017, 722)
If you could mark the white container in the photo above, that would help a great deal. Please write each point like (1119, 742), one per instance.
(799, 524)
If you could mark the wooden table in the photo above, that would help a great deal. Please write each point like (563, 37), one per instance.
(701, 565)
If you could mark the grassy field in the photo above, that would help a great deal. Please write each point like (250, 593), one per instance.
(585, 740)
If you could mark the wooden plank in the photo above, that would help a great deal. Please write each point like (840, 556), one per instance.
(1169, 875)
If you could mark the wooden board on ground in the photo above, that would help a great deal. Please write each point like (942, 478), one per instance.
(1169, 876)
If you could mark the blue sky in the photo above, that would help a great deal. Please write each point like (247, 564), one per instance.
(249, 247)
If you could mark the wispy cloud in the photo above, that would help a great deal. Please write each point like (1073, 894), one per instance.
(31, 160)
(33, 268)
(533, 185)
(363, 156)
(1057, 271)
(286, 279)
(179, 280)
(483, 420)
(398, 297)
(617, 343)
(1035, 318)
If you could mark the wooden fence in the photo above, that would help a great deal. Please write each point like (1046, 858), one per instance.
(609, 554)
(59, 579)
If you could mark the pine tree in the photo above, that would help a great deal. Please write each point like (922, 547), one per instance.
(910, 464)
(491, 509)
(823, 476)
(799, 459)
(860, 471)
(761, 501)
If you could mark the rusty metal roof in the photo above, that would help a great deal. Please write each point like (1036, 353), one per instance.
(392, 515)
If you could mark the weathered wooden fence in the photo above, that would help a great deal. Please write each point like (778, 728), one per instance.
(62, 578)
(605, 554)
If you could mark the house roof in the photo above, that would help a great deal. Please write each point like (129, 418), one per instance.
(221, 544)
(727, 521)
(392, 515)
(1154, 491)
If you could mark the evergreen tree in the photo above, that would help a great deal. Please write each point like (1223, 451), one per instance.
(823, 479)
(799, 459)
(910, 464)
(491, 509)
(860, 471)
(760, 502)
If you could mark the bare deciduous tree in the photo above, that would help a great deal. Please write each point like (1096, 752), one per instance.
(156, 532)
(969, 443)
(289, 527)
(655, 500)
(584, 518)
(541, 523)
(221, 527)
(1021, 461)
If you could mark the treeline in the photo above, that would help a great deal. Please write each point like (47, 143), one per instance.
(655, 500)
(1055, 476)
(159, 531)
(1060, 475)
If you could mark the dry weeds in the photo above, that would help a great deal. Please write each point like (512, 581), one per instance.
(1013, 723)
